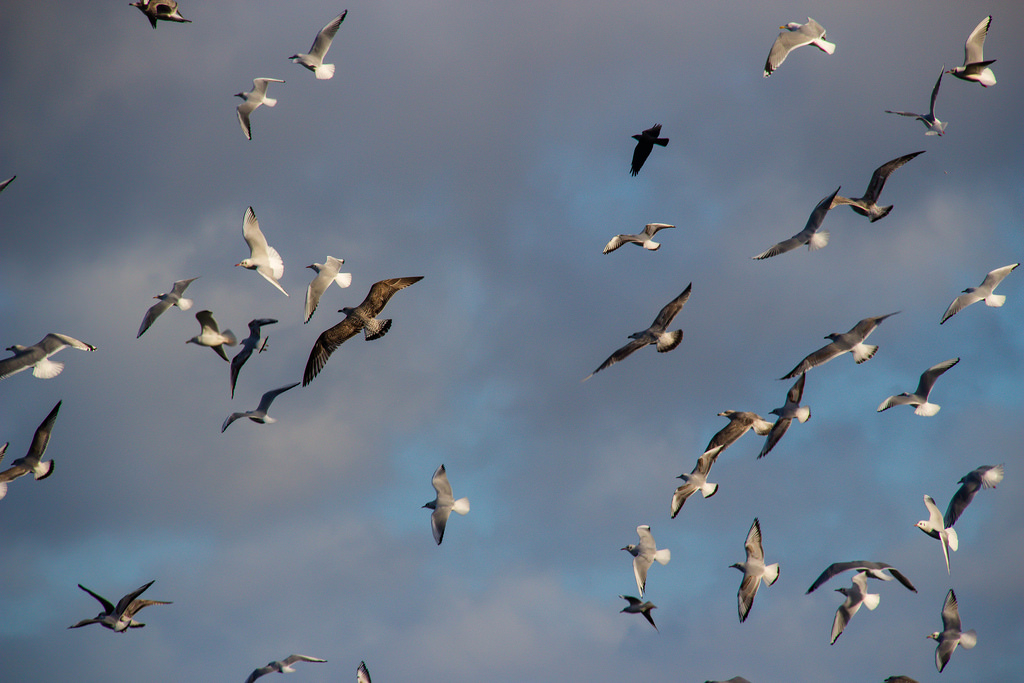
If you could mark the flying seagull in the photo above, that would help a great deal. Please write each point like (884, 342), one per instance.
(645, 553)
(951, 635)
(248, 346)
(852, 341)
(796, 35)
(635, 606)
(263, 258)
(856, 595)
(754, 570)
(253, 99)
(810, 235)
(362, 317)
(792, 410)
(164, 10)
(38, 355)
(924, 388)
(934, 527)
(655, 334)
(982, 292)
(934, 126)
(171, 298)
(326, 273)
(899, 679)
(986, 476)
(32, 462)
(260, 414)
(444, 503)
(5, 183)
(868, 204)
(644, 239)
(122, 617)
(975, 67)
(314, 61)
(210, 334)
(740, 422)
(873, 570)
(697, 480)
(645, 142)
(283, 666)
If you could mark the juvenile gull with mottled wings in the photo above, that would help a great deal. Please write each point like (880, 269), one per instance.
(740, 422)
(164, 10)
(868, 204)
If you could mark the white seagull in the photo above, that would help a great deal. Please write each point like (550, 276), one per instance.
(982, 292)
(210, 334)
(248, 346)
(697, 480)
(934, 126)
(975, 67)
(444, 503)
(924, 388)
(38, 355)
(792, 410)
(852, 341)
(645, 553)
(122, 617)
(32, 462)
(362, 673)
(814, 239)
(740, 422)
(934, 527)
(314, 61)
(164, 10)
(868, 204)
(253, 99)
(644, 239)
(283, 666)
(637, 606)
(754, 570)
(263, 258)
(986, 476)
(951, 635)
(260, 414)
(856, 595)
(796, 35)
(326, 273)
(171, 298)
(873, 570)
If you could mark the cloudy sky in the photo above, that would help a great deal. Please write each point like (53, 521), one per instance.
(486, 147)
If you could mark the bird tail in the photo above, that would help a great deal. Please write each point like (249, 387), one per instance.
(669, 341)
(871, 600)
(818, 240)
(185, 304)
(47, 369)
(651, 245)
(709, 490)
(229, 338)
(995, 300)
(375, 329)
(824, 45)
(461, 506)
(803, 414)
(863, 352)
(661, 142)
(663, 556)
(927, 409)
(882, 213)
(968, 639)
(324, 72)
(951, 539)
(44, 470)
(771, 573)
(3, 489)
(270, 101)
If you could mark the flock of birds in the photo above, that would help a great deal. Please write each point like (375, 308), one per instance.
(266, 261)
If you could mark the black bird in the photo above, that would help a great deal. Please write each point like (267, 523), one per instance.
(645, 142)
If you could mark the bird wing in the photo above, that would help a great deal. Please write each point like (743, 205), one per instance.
(259, 85)
(54, 342)
(124, 602)
(778, 429)
(254, 237)
(934, 516)
(326, 343)
(291, 659)
(796, 392)
(640, 153)
(960, 500)
(882, 174)
(244, 109)
(652, 228)
(362, 673)
(996, 276)
(323, 39)
(668, 313)
(269, 396)
(782, 247)
(786, 42)
(152, 314)
(617, 242)
(973, 49)
(180, 286)
(745, 596)
(620, 353)
(754, 548)
(381, 292)
(42, 438)
(928, 377)
(438, 520)
(108, 607)
(206, 321)
(950, 612)
(263, 670)
(813, 360)
(935, 93)
(441, 485)
(960, 303)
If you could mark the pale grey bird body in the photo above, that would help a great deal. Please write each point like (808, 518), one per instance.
(254, 99)
(794, 35)
(792, 410)
(263, 258)
(283, 666)
(326, 273)
(754, 570)
(934, 527)
(976, 67)
(248, 346)
(852, 341)
(33, 461)
(934, 126)
(444, 503)
(643, 239)
(811, 235)
(210, 334)
(260, 414)
(924, 389)
(983, 292)
(314, 59)
(38, 355)
(172, 298)
(951, 635)
(645, 553)
(121, 617)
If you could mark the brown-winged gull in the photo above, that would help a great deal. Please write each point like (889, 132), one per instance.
(210, 334)
(754, 570)
(868, 204)
(645, 553)
(314, 61)
(253, 99)
(934, 527)
(643, 239)
(796, 35)
(934, 126)
(986, 476)
(326, 273)
(697, 480)
(38, 355)
(740, 422)
(637, 606)
(645, 142)
(248, 346)
(260, 414)
(982, 292)
(924, 388)
(32, 462)
(975, 67)
(444, 503)
(122, 617)
(792, 410)
(856, 595)
(951, 635)
(811, 236)
(873, 570)
(852, 341)
(166, 300)
(164, 10)
(263, 258)
(283, 666)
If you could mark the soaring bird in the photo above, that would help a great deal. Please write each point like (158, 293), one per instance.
(260, 414)
(934, 126)
(792, 410)
(986, 476)
(982, 292)
(362, 317)
(868, 204)
(210, 334)
(636, 606)
(856, 595)
(643, 239)
(283, 666)
(924, 388)
(697, 480)
(38, 355)
(656, 334)
(975, 67)
(754, 570)
(314, 61)
(164, 10)
(362, 673)
(814, 239)
(248, 346)
(951, 635)
(934, 527)
(32, 462)
(444, 503)
(872, 570)
(645, 553)
(796, 35)
(326, 273)
(645, 142)
(263, 258)
(253, 99)
(171, 298)
(852, 341)
(122, 617)
(740, 422)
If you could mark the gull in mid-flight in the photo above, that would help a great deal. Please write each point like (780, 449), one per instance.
(645, 553)
(248, 346)
(852, 341)
(814, 239)
(934, 126)
(873, 570)
(38, 355)
(656, 334)
(122, 617)
(856, 595)
(982, 292)
(164, 10)
(740, 422)
(975, 67)
(754, 570)
(868, 204)
(951, 635)
(796, 35)
(32, 462)
(924, 388)
(792, 410)
(260, 414)
(314, 61)
(253, 99)
(326, 273)
(444, 503)
(362, 673)
(210, 334)
(263, 258)
(645, 142)
(283, 666)
(644, 239)
(171, 298)
(697, 480)
(986, 476)
(934, 527)
(637, 606)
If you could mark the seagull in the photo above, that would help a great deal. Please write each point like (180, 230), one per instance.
(38, 355)
(982, 292)
(697, 480)
(951, 635)
(362, 317)
(362, 673)
(210, 335)
(171, 298)
(260, 414)
(852, 341)
(253, 99)
(248, 346)
(122, 617)
(754, 570)
(263, 258)
(635, 606)
(809, 235)
(645, 553)
(868, 204)
(787, 413)
(740, 422)
(924, 387)
(986, 476)
(796, 35)
(934, 527)
(645, 142)
(443, 504)
(856, 595)
(165, 10)
(326, 273)
(32, 462)
(975, 67)
(655, 334)
(934, 126)
(5, 183)
(283, 666)
(314, 61)
(899, 679)
(644, 239)
(872, 570)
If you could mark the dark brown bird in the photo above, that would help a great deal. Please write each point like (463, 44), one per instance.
(645, 142)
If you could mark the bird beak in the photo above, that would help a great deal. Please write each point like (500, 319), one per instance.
(310, 266)
(238, 264)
